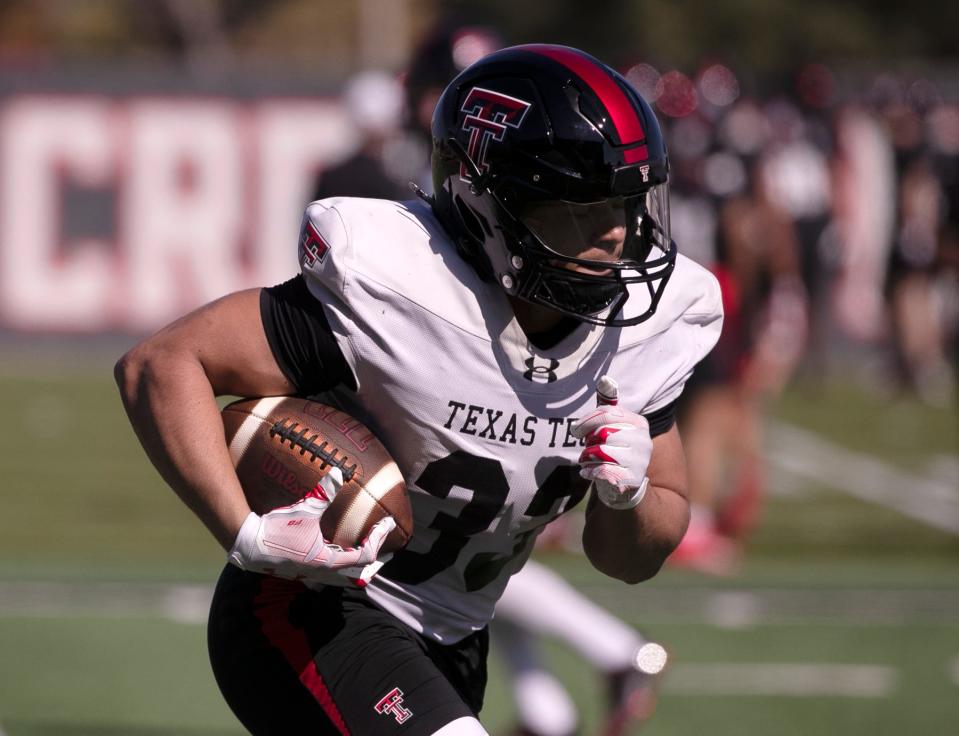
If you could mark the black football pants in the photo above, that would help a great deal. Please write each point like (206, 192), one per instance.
(289, 659)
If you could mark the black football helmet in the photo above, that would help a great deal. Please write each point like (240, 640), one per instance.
(541, 153)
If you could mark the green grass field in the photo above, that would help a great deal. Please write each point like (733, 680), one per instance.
(835, 589)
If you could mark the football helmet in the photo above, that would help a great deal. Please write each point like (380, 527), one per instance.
(551, 173)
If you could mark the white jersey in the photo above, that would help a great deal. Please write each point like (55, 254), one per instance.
(477, 418)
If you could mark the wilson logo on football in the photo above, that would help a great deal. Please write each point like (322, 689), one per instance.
(392, 704)
(488, 115)
(282, 476)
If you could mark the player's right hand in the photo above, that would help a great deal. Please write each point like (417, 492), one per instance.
(287, 542)
(618, 449)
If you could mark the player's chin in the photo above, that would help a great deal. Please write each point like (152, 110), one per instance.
(595, 270)
(600, 269)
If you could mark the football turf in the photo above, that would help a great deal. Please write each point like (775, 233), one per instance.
(844, 620)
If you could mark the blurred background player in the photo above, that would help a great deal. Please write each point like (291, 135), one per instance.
(628, 664)
(916, 264)
(735, 175)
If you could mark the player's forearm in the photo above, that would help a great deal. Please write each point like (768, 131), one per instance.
(632, 545)
(173, 410)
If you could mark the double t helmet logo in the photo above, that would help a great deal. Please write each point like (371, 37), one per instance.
(488, 115)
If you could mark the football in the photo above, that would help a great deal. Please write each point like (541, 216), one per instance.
(282, 446)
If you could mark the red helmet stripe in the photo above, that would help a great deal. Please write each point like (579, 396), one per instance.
(626, 121)
(633, 155)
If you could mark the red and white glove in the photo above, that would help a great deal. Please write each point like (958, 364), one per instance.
(287, 542)
(618, 448)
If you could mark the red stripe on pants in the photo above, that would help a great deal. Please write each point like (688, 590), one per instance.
(272, 606)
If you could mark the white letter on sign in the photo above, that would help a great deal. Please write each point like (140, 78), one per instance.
(46, 284)
(182, 211)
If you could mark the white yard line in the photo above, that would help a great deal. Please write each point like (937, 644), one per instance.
(746, 608)
(808, 455)
(179, 602)
(785, 679)
(725, 608)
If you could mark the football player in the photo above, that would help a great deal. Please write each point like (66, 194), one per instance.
(517, 341)
(526, 609)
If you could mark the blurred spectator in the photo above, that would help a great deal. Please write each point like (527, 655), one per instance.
(864, 203)
(917, 317)
(374, 102)
(797, 173)
(943, 129)
(443, 53)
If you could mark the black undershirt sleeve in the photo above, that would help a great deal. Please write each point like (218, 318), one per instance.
(301, 339)
(662, 420)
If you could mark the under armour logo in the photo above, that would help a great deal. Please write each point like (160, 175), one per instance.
(541, 373)
(314, 247)
(488, 115)
(392, 703)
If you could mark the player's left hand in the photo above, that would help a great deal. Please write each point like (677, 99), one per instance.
(618, 449)
(287, 542)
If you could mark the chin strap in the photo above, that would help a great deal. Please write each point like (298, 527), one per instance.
(479, 182)
(422, 193)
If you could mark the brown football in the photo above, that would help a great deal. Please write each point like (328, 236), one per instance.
(282, 446)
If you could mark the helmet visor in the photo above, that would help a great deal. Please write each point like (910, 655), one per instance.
(615, 233)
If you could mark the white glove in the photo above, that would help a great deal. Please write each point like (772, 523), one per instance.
(618, 448)
(287, 542)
